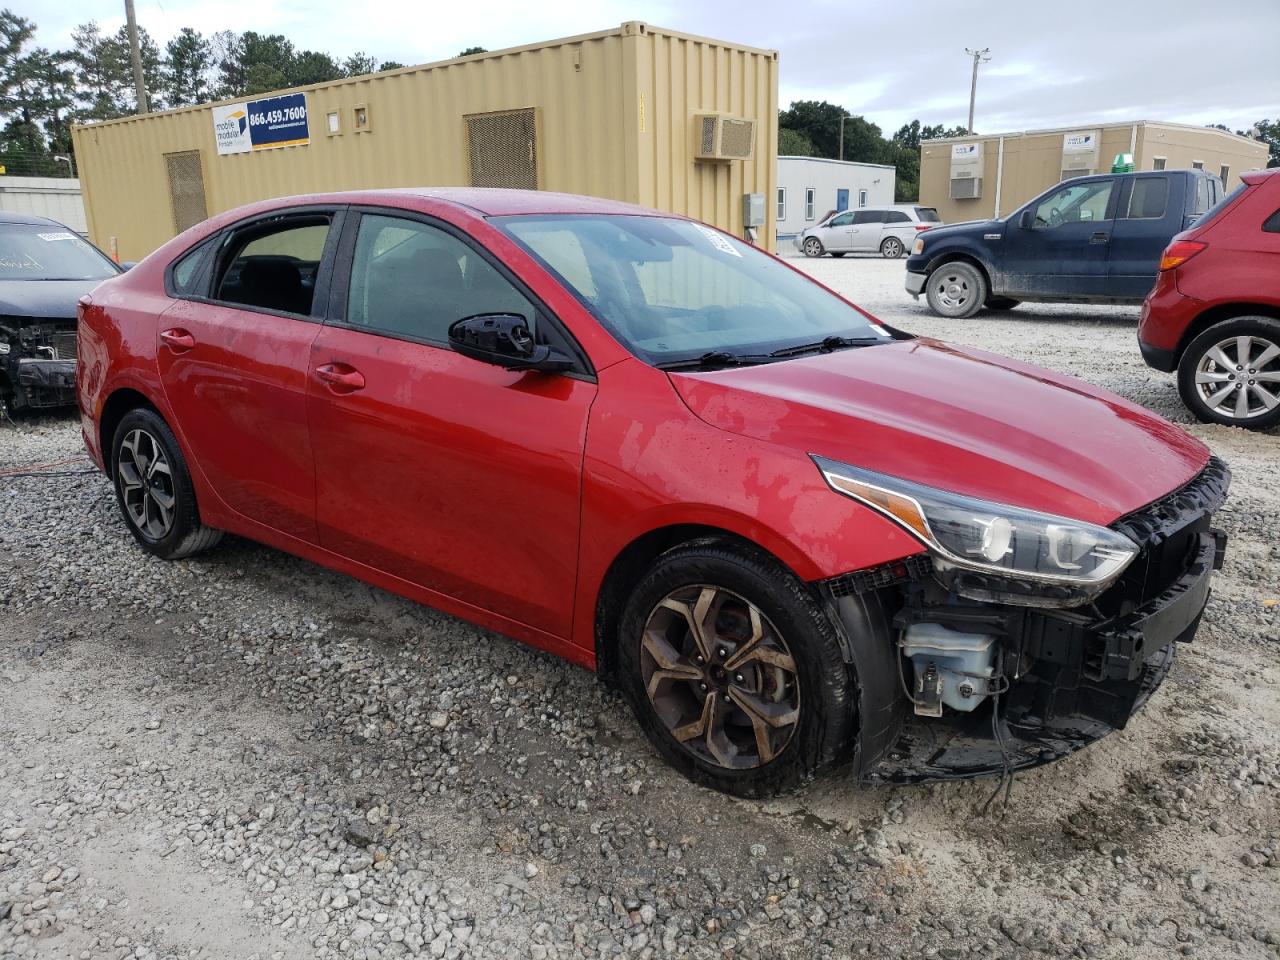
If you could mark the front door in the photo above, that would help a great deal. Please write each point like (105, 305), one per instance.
(835, 235)
(234, 364)
(866, 230)
(442, 470)
(1058, 245)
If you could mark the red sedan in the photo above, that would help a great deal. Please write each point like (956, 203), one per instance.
(1214, 314)
(794, 536)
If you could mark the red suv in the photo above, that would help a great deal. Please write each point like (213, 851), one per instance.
(794, 536)
(1214, 314)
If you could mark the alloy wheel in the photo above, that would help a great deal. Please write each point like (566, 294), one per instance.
(146, 484)
(813, 247)
(720, 677)
(892, 248)
(1239, 377)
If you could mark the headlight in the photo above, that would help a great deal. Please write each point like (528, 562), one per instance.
(990, 550)
(918, 246)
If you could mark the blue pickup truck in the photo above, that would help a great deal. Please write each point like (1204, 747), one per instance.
(1094, 239)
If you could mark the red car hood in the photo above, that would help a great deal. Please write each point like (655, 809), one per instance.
(961, 420)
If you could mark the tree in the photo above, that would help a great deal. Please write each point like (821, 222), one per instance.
(308, 66)
(152, 68)
(360, 63)
(102, 74)
(793, 143)
(816, 120)
(472, 51)
(1268, 131)
(187, 65)
(391, 65)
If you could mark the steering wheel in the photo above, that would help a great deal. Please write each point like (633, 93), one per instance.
(1055, 217)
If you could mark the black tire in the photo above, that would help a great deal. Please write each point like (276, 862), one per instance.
(825, 729)
(838, 253)
(812, 247)
(1263, 334)
(168, 534)
(891, 248)
(956, 290)
(1000, 303)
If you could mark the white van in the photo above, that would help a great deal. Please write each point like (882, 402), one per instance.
(890, 230)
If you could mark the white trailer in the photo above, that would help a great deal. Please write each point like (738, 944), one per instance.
(811, 187)
(57, 198)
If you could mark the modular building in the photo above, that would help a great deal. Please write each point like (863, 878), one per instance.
(637, 113)
(811, 187)
(57, 198)
(976, 178)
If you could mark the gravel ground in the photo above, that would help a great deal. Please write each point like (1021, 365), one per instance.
(248, 756)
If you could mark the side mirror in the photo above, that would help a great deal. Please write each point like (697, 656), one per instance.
(504, 340)
(1027, 219)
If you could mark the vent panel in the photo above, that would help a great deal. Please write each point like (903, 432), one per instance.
(502, 148)
(186, 189)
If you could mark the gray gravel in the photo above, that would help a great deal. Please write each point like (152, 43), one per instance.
(248, 756)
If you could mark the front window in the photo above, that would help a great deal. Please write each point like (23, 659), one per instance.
(1074, 204)
(672, 290)
(38, 251)
(808, 203)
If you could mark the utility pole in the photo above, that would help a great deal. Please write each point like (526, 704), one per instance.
(842, 120)
(979, 56)
(135, 54)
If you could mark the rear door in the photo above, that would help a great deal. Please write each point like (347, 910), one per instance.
(1148, 214)
(1057, 245)
(866, 229)
(234, 360)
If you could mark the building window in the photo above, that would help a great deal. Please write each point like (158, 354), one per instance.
(782, 203)
(1157, 163)
(1224, 172)
(808, 202)
(333, 123)
(862, 198)
(360, 118)
(1197, 164)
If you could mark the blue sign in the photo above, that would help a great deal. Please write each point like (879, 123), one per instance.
(278, 121)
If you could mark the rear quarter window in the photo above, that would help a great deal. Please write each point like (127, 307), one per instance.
(927, 215)
(896, 216)
(1272, 223)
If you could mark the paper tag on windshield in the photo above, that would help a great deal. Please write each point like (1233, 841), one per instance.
(61, 235)
(719, 241)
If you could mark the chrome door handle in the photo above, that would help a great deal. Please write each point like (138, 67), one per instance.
(177, 339)
(340, 377)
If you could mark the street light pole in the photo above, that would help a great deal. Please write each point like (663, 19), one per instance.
(979, 56)
(135, 54)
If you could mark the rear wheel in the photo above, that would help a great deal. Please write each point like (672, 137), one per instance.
(1230, 373)
(891, 248)
(733, 670)
(956, 290)
(812, 247)
(153, 488)
(1000, 303)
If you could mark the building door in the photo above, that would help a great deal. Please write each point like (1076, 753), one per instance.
(842, 199)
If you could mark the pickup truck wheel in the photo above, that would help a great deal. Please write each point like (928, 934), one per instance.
(956, 290)
(153, 488)
(1230, 373)
(1000, 303)
(734, 671)
(891, 248)
(812, 247)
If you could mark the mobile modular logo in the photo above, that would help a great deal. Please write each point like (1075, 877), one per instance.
(231, 129)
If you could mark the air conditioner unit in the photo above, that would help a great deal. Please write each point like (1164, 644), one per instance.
(966, 188)
(721, 137)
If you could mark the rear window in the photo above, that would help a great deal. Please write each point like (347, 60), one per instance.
(1202, 195)
(927, 215)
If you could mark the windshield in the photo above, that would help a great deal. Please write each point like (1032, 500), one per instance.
(672, 290)
(40, 251)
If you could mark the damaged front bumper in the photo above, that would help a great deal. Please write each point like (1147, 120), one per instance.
(1022, 686)
(37, 363)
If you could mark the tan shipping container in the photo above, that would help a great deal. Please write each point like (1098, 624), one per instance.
(610, 114)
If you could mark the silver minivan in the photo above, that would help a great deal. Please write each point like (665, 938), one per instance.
(889, 230)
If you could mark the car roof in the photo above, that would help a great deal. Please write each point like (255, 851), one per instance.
(9, 216)
(500, 202)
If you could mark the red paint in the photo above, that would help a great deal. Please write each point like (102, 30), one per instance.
(1236, 267)
(504, 497)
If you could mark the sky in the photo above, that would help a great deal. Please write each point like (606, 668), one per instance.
(1052, 64)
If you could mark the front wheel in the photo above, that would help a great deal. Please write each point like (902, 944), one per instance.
(812, 247)
(153, 488)
(956, 290)
(734, 672)
(1230, 373)
(891, 248)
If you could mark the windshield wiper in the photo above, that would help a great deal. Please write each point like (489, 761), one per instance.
(827, 344)
(718, 358)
